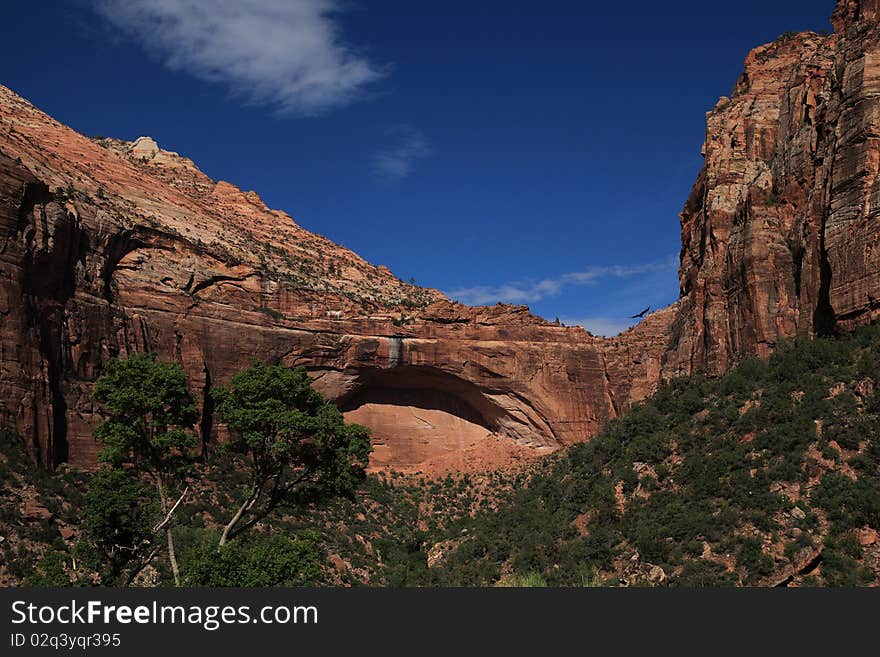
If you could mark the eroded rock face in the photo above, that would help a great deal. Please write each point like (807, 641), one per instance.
(109, 247)
(779, 235)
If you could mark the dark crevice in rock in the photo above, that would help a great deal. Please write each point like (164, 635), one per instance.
(213, 280)
(118, 246)
(824, 320)
(61, 451)
(797, 258)
(123, 243)
(206, 424)
(49, 283)
(32, 194)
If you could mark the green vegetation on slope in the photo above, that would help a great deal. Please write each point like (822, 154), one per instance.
(286, 442)
(768, 475)
(380, 537)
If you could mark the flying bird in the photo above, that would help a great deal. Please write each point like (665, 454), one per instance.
(641, 314)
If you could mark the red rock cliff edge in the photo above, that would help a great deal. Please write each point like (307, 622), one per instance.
(779, 235)
(109, 247)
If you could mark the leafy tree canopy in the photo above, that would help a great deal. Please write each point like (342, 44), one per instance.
(117, 521)
(291, 440)
(150, 411)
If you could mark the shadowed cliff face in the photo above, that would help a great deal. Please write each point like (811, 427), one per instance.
(111, 247)
(779, 233)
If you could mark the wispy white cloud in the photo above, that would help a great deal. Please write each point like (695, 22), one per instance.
(287, 54)
(407, 146)
(531, 291)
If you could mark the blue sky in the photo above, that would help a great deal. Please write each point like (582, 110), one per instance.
(530, 152)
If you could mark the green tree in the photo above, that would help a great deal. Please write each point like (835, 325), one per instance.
(289, 440)
(151, 412)
(118, 516)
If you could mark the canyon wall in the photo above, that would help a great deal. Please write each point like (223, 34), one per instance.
(779, 235)
(109, 247)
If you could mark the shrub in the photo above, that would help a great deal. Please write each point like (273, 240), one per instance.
(259, 560)
(532, 579)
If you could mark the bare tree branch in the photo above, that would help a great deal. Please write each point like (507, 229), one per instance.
(167, 518)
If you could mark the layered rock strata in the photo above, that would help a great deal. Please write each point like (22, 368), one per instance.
(109, 247)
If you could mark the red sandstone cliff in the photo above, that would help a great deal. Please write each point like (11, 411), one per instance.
(779, 235)
(107, 247)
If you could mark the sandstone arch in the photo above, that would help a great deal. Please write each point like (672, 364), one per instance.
(424, 418)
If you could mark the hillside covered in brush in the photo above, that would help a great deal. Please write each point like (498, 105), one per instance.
(767, 476)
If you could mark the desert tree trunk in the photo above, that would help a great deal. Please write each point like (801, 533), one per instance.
(172, 557)
(245, 506)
